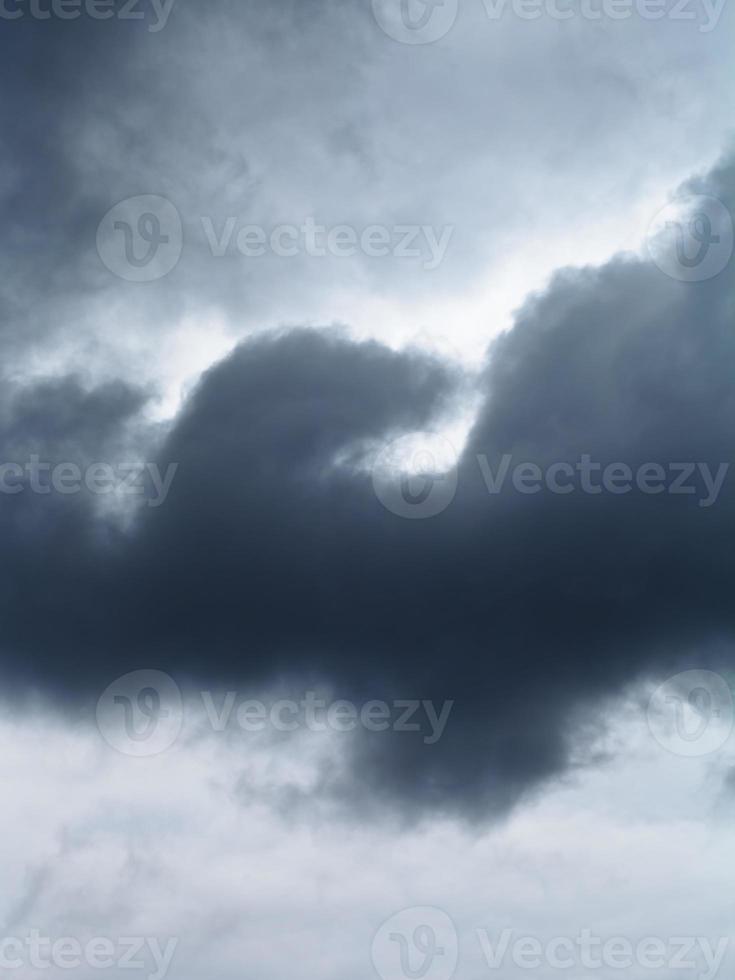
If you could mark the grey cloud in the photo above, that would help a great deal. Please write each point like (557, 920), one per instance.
(273, 558)
(275, 114)
(267, 559)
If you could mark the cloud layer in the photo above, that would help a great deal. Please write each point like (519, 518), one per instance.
(273, 558)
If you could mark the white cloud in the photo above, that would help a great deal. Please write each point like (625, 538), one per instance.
(200, 844)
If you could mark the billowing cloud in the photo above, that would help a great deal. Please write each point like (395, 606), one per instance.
(273, 558)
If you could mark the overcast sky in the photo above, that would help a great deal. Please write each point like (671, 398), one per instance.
(365, 488)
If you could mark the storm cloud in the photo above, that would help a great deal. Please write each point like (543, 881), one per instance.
(273, 560)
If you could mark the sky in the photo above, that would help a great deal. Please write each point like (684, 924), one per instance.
(365, 488)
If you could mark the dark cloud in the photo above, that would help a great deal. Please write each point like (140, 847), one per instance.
(273, 559)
